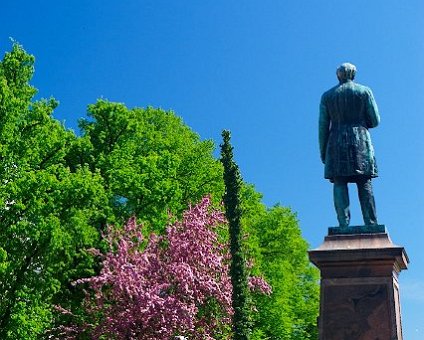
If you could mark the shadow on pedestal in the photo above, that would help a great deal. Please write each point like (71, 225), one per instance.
(359, 284)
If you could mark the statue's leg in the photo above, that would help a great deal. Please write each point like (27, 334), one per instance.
(366, 198)
(341, 201)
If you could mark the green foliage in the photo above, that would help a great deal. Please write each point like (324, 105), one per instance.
(58, 191)
(233, 212)
(48, 213)
(151, 162)
(280, 254)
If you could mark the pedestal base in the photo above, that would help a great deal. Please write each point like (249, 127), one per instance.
(359, 286)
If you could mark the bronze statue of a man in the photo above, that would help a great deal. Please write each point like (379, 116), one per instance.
(347, 111)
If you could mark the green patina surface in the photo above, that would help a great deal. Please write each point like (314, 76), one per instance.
(347, 111)
(361, 229)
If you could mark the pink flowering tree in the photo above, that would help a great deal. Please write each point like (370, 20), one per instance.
(178, 284)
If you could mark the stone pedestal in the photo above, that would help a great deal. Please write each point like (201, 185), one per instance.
(359, 284)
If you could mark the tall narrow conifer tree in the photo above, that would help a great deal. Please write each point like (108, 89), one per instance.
(240, 296)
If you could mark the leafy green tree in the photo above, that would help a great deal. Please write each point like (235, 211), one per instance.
(233, 212)
(151, 162)
(48, 213)
(275, 243)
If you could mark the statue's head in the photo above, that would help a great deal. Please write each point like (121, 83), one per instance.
(345, 72)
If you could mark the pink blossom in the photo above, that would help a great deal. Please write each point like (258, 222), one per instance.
(177, 285)
(258, 284)
(166, 288)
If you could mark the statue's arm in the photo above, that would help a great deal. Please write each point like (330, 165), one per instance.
(373, 117)
(323, 128)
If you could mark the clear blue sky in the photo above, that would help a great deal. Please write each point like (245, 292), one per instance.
(257, 68)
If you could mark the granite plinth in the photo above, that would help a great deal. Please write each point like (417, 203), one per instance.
(359, 286)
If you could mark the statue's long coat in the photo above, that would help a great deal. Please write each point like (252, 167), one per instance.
(347, 111)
